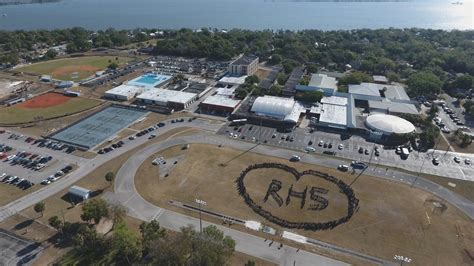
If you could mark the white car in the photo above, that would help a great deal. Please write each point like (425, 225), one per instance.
(321, 143)
(457, 159)
(310, 149)
(3, 175)
(11, 157)
(340, 146)
(467, 161)
(45, 182)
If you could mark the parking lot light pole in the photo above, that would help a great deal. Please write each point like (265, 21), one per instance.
(200, 203)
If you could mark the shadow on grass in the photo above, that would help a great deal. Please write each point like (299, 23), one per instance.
(23, 224)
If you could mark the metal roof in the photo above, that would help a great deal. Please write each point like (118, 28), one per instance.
(323, 81)
(79, 191)
(373, 89)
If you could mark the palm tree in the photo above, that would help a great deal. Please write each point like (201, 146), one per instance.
(39, 207)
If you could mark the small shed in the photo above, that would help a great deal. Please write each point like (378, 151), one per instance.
(77, 193)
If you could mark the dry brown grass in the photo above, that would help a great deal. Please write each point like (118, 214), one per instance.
(392, 218)
(9, 193)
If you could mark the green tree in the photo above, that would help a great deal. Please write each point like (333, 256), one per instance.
(39, 208)
(95, 210)
(433, 111)
(212, 247)
(275, 59)
(113, 66)
(424, 83)
(55, 222)
(151, 232)
(464, 82)
(109, 177)
(393, 77)
(309, 96)
(275, 90)
(289, 65)
(250, 263)
(51, 54)
(126, 246)
(282, 78)
(253, 79)
(355, 78)
(305, 80)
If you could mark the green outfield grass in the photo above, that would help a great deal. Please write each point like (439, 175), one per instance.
(16, 114)
(74, 68)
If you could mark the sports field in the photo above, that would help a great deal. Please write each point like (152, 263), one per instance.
(392, 218)
(48, 105)
(74, 68)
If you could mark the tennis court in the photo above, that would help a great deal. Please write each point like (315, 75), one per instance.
(98, 127)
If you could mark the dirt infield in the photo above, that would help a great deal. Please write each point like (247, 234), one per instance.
(70, 70)
(45, 100)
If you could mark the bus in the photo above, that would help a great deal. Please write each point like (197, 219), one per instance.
(238, 122)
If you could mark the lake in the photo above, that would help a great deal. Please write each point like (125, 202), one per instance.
(247, 14)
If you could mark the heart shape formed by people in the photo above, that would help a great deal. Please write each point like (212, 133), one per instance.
(352, 201)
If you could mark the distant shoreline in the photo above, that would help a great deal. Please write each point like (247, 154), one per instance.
(24, 2)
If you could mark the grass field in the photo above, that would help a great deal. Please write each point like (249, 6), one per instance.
(392, 219)
(74, 68)
(18, 114)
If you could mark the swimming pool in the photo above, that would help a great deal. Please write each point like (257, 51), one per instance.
(149, 80)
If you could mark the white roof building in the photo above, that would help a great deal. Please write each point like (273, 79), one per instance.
(124, 92)
(277, 107)
(221, 100)
(163, 97)
(285, 109)
(389, 124)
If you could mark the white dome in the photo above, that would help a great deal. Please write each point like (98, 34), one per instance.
(273, 106)
(389, 124)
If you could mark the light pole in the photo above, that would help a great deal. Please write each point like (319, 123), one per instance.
(200, 203)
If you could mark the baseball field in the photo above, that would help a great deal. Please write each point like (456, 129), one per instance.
(45, 106)
(74, 68)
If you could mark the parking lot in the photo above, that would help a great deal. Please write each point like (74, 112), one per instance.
(17, 251)
(59, 159)
(299, 139)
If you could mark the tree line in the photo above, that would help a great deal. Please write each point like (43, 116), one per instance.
(121, 246)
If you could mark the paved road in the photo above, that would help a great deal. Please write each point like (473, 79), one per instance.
(148, 211)
(88, 166)
(126, 195)
(447, 167)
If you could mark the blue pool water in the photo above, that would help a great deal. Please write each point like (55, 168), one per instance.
(149, 80)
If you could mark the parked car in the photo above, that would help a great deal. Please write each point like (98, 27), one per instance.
(435, 161)
(343, 168)
(358, 165)
(295, 158)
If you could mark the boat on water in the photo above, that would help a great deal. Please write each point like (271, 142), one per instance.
(457, 3)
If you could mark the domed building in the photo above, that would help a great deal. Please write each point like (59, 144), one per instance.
(386, 125)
